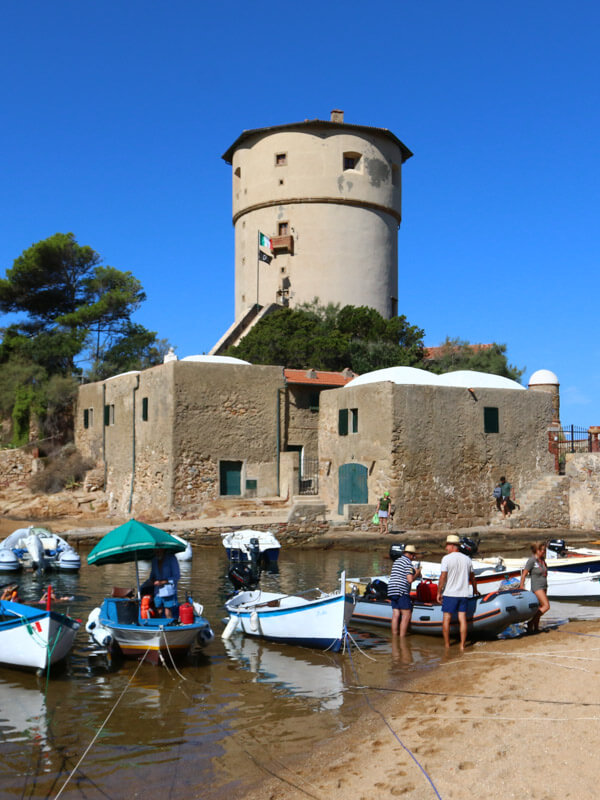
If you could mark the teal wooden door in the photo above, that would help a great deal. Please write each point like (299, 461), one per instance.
(230, 475)
(352, 481)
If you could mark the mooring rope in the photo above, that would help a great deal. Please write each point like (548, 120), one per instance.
(100, 729)
(393, 732)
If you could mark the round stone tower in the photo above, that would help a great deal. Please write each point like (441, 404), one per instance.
(546, 381)
(326, 195)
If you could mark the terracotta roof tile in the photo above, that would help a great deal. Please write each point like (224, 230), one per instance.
(314, 377)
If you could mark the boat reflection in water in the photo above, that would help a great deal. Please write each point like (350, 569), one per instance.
(23, 717)
(302, 674)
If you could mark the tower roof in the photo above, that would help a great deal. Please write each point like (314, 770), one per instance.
(314, 124)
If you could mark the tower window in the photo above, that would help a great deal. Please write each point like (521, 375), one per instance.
(351, 160)
(280, 159)
(238, 172)
(283, 228)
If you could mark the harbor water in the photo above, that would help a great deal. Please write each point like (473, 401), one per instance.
(235, 713)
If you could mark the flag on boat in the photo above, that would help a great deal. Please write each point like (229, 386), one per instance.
(264, 241)
(264, 257)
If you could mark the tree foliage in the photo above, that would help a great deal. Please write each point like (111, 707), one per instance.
(331, 338)
(455, 354)
(72, 310)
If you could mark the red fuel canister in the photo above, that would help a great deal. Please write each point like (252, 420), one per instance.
(186, 614)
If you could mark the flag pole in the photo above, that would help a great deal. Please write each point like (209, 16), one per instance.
(257, 262)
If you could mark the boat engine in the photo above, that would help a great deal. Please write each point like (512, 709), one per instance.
(396, 550)
(246, 574)
(468, 546)
(376, 590)
(558, 546)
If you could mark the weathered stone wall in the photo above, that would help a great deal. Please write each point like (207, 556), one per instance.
(583, 469)
(16, 467)
(302, 422)
(224, 413)
(427, 446)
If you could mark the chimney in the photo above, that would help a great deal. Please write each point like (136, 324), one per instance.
(337, 115)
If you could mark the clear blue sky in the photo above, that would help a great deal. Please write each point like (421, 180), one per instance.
(115, 116)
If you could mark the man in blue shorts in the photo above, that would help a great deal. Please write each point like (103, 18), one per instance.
(402, 575)
(456, 575)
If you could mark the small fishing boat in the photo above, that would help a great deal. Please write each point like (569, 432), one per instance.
(122, 624)
(310, 619)
(37, 548)
(34, 638)
(237, 545)
(487, 615)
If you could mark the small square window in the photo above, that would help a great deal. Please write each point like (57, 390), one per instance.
(283, 229)
(351, 161)
(313, 401)
(280, 159)
(491, 423)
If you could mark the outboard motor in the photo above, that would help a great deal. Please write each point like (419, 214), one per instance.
(376, 590)
(468, 546)
(396, 550)
(558, 546)
(246, 574)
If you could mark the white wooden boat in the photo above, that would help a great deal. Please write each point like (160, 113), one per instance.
(237, 544)
(310, 619)
(33, 637)
(118, 626)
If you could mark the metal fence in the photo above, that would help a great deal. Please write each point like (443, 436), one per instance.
(569, 439)
(309, 478)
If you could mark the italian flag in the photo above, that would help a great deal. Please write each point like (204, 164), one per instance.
(264, 241)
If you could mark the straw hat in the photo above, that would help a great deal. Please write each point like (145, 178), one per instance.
(410, 548)
(452, 539)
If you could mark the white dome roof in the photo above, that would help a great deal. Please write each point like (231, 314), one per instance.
(468, 379)
(215, 359)
(543, 377)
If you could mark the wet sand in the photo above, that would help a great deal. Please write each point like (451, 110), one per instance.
(507, 719)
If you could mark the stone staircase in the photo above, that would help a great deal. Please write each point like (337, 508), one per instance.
(543, 504)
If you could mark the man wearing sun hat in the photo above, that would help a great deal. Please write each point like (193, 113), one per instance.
(453, 589)
(402, 575)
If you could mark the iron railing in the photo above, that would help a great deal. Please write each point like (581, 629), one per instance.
(309, 478)
(569, 439)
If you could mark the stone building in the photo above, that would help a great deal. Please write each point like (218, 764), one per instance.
(437, 443)
(328, 196)
(181, 435)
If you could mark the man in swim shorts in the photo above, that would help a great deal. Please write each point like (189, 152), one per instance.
(453, 589)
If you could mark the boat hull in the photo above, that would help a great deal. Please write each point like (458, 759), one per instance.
(487, 615)
(117, 626)
(292, 619)
(32, 638)
(571, 578)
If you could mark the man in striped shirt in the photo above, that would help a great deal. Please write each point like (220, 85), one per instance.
(402, 575)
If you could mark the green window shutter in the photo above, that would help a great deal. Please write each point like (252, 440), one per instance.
(354, 420)
(86, 418)
(491, 423)
(107, 415)
(145, 409)
(343, 422)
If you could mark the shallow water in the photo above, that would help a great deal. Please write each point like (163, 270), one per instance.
(241, 710)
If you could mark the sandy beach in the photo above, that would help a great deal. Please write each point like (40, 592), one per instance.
(507, 719)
